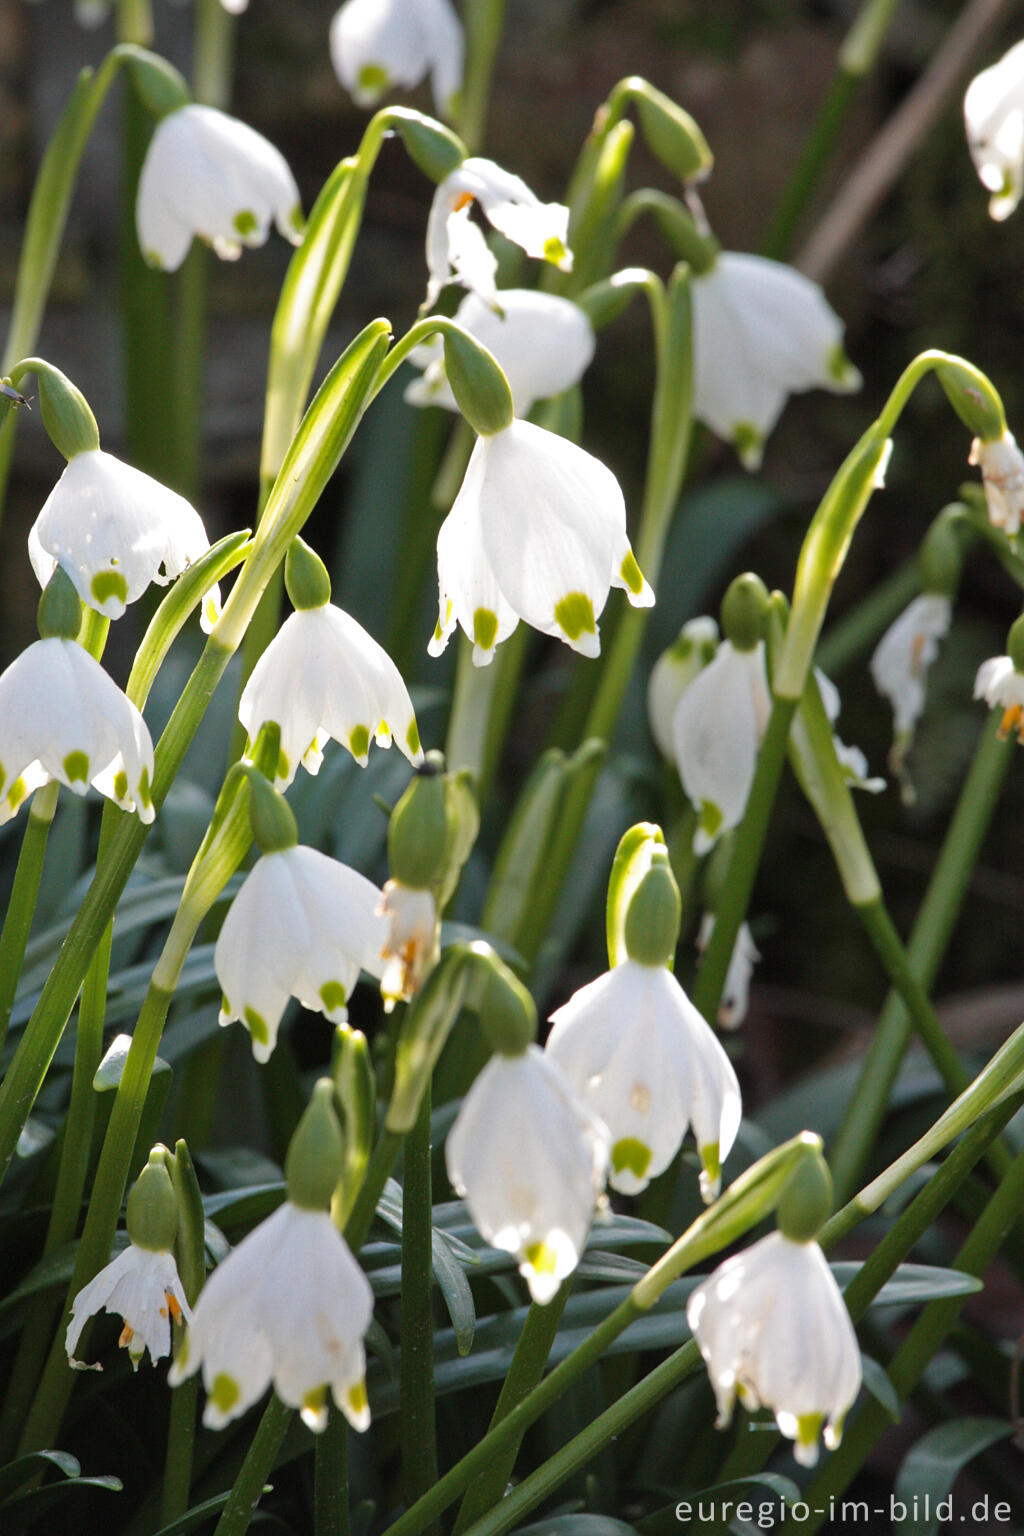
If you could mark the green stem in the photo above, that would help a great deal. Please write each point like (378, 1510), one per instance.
(419, 1434)
(330, 1485)
(526, 1370)
(181, 1443)
(485, 20)
(928, 943)
(22, 905)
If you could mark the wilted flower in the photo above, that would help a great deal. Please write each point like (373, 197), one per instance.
(530, 1161)
(377, 45)
(114, 530)
(141, 1286)
(456, 248)
(207, 174)
(761, 332)
(773, 1329)
(851, 759)
(899, 665)
(302, 925)
(994, 119)
(1002, 687)
(642, 1058)
(718, 725)
(289, 1305)
(537, 532)
(543, 343)
(322, 677)
(411, 941)
(1002, 472)
(732, 1009)
(63, 718)
(671, 675)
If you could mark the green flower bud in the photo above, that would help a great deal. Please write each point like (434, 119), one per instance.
(59, 615)
(744, 609)
(418, 829)
(66, 415)
(671, 134)
(152, 1212)
(160, 86)
(806, 1200)
(604, 301)
(941, 556)
(270, 816)
(305, 576)
(508, 1016)
(1015, 644)
(316, 1153)
(432, 148)
(973, 397)
(480, 387)
(653, 915)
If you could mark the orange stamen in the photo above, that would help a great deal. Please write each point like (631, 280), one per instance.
(1013, 720)
(175, 1306)
(462, 201)
(127, 1334)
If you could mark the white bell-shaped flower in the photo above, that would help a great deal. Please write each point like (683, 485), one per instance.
(115, 530)
(543, 343)
(62, 717)
(207, 174)
(642, 1058)
(456, 249)
(761, 332)
(411, 942)
(323, 677)
(671, 675)
(142, 1287)
(717, 730)
(1002, 471)
(537, 532)
(994, 119)
(732, 1009)
(302, 926)
(1002, 687)
(530, 1161)
(851, 759)
(773, 1328)
(899, 665)
(290, 1306)
(378, 45)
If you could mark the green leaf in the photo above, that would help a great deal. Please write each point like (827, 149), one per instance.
(914, 1284)
(198, 1514)
(876, 1380)
(931, 1468)
(18, 1472)
(29, 1506)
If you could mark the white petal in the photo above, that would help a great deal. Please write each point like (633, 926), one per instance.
(456, 250)
(994, 119)
(379, 44)
(902, 657)
(137, 1287)
(468, 592)
(717, 731)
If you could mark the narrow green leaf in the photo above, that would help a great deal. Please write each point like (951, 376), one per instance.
(876, 1380)
(18, 1472)
(931, 1468)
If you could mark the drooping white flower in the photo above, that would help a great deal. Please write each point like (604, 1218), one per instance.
(543, 343)
(717, 730)
(207, 174)
(322, 677)
(537, 532)
(642, 1058)
(899, 665)
(290, 1306)
(773, 1328)
(851, 759)
(530, 1161)
(994, 119)
(1002, 687)
(1002, 472)
(761, 332)
(671, 675)
(456, 248)
(411, 941)
(62, 717)
(303, 926)
(115, 530)
(377, 45)
(732, 1009)
(141, 1286)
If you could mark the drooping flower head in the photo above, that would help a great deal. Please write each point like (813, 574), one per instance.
(994, 119)
(456, 248)
(208, 174)
(1002, 471)
(1001, 685)
(761, 332)
(380, 45)
(899, 668)
(543, 343)
(530, 1161)
(114, 530)
(537, 532)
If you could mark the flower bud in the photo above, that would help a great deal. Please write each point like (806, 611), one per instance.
(305, 576)
(806, 1199)
(1015, 644)
(671, 134)
(432, 148)
(652, 917)
(744, 608)
(59, 614)
(974, 399)
(418, 829)
(480, 387)
(355, 1086)
(66, 415)
(152, 1212)
(161, 87)
(316, 1153)
(941, 557)
(270, 816)
(508, 1016)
